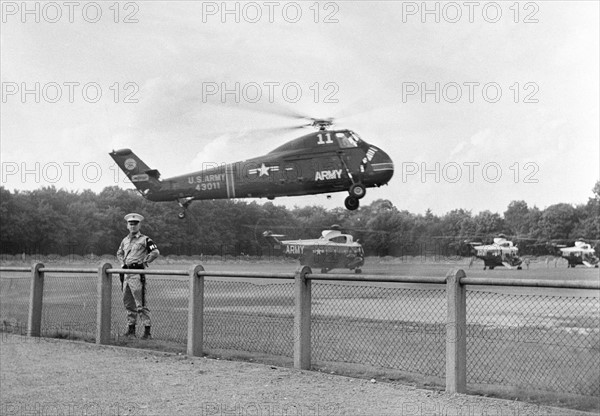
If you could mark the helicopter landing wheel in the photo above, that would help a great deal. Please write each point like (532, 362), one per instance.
(184, 204)
(351, 203)
(357, 190)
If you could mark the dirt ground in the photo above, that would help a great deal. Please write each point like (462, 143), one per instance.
(44, 376)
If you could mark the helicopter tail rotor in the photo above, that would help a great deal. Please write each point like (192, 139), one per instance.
(273, 239)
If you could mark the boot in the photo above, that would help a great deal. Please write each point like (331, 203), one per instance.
(146, 333)
(130, 331)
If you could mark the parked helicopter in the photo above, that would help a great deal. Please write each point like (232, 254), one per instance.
(322, 162)
(333, 250)
(580, 253)
(501, 253)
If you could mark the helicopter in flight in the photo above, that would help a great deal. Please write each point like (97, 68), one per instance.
(333, 250)
(501, 253)
(581, 253)
(325, 161)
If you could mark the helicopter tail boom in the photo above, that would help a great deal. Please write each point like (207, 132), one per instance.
(140, 174)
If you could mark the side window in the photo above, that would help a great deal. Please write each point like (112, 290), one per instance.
(340, 239)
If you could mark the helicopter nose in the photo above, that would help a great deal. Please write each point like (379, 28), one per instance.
(383, 167)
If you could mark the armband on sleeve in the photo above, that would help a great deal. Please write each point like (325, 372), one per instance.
(150, 245)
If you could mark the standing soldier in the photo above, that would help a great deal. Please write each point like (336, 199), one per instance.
(135, 252)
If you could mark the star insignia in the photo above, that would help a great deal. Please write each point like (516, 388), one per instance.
(264, 170)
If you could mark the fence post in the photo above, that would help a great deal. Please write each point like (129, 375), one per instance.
(456, 333)
(302, 294)
(195, 336)
(36, 295)
(104, 304)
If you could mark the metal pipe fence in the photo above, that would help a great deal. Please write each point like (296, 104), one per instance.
(468, 331)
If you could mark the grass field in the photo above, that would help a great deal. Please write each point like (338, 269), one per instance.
(521, 342)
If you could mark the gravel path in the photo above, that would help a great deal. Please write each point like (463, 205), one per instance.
(45, 376)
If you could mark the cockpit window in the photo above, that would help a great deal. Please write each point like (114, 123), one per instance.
(347, 139)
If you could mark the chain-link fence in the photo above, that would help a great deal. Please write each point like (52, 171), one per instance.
(69, 306)
(388, 327)
(242, 316)
(14, 301)
(534, 342)
(528, 341)
(166, 298)
(246, 316)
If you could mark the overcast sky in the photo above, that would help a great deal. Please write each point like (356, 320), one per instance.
(478, 104)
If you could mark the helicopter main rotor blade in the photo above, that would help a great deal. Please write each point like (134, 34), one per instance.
(243, 134)
(280, 110)
(265, 108)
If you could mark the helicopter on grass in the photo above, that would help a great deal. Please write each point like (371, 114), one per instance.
(333, 250)
(581, 253)
(325, 161)
(501, 253)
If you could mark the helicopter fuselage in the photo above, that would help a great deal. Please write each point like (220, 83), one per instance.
(501, 253)
(321, 162)
(582, 253)
(333, 250)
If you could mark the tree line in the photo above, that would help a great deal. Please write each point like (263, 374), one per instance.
(56, 221)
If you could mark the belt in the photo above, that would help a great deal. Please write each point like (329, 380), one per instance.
(134, 266)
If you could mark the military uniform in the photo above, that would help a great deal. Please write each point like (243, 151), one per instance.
(135, 252)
